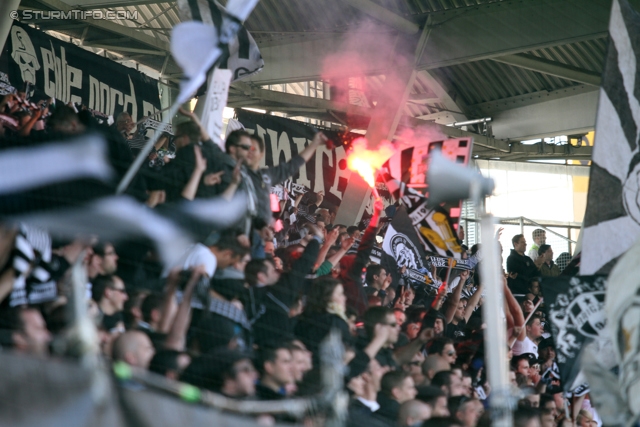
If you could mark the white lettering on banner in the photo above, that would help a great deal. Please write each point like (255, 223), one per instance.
(280, 145)
(64, 76)
(342, 171)
(148, 109)
(301, 143)
(419, 214)
(216, 100)
(261, 131)
(320, 153)
(104, 98)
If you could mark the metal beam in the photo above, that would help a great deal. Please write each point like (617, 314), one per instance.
(106, 41)
(497, 29)
(456, 109)
(129, 32)
(490, 108)
(514, 27)
(553, 68)
(104, 4)
(385, 16)
(244, 95)
(565, 116)
(126, 49)
(545, 116)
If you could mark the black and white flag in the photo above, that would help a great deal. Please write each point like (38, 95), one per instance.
(575, 311)
(402, 248)
(411, 165)
(612, 218)
(65, 187)
(434, 226)
(623, 317)
(240, 53)
(60, 172)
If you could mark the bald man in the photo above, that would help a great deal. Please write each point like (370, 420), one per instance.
(433, 364)
(134, 348)
(413, 412)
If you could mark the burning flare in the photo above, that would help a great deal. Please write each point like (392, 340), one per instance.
(366, 162)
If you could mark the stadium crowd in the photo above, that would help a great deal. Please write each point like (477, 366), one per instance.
(275, 285)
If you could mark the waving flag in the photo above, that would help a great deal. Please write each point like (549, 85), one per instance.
(210, 34)
(433, 225)
(410, 166)
(65, 187)
(575, 309)
(612, 218)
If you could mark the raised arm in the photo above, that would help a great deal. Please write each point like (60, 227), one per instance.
(344, 248)
(366, 244)
(405, 354)
(452, 303)
(169, 294)
(178, 334)
(332, 236)
(516, 312)
(318, 140)
(236, 177)
(204, 136)
(189, 190)
(472, 303)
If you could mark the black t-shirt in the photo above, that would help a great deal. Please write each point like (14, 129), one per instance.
(456, 332)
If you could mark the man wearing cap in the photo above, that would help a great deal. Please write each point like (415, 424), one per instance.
(549, 371)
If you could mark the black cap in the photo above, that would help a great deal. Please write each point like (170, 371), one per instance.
(545, 343)
(358, 365)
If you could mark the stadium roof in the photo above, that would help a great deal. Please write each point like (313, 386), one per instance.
(532, 66)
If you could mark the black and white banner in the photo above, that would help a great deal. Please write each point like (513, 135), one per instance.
(284, 138)
(612, 218)
(575, 311)
(240, 53)
(69, 73)
(411, 166)
(402, 248)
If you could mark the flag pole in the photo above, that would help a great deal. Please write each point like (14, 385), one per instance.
(135, 166)
(495, 333)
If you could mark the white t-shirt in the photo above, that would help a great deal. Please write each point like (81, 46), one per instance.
(525, 346)
(197, 254)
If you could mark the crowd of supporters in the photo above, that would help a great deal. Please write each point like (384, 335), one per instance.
(273, 291)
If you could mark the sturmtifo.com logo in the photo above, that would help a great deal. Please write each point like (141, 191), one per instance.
(53, 15)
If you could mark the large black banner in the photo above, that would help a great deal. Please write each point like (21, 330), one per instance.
(69, 73)
(284, 138)
(575, 310)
